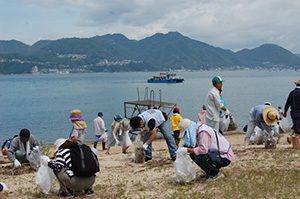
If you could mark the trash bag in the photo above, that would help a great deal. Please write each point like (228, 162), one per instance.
(185, 171)
(232, 125)
(45, 176)
(224, 123)
(257, 137)
(285, 125)
(34, 158)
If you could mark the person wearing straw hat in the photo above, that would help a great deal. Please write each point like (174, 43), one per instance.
(211, 150)
(78, 131)
(293, 102)
(214, 104)
(264, 117)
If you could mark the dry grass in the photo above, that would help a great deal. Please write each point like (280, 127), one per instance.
(257, 173)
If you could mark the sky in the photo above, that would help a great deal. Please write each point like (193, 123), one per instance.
(230, 24)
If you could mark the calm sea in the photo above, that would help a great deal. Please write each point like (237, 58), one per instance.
(42, 103)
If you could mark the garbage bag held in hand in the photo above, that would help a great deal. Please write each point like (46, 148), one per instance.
(185, 171)
(45, 176)
(232, 125)
(34, 158)
(224, 123)
(285, 125)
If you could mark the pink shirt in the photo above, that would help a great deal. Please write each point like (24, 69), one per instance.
(204, 143)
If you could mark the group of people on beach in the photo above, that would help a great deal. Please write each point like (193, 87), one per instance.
(202, 140)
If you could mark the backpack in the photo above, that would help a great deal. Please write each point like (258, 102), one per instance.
(84, 161)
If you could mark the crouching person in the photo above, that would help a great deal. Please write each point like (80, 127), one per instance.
(212, 150)
(75, 166)
(20, 148)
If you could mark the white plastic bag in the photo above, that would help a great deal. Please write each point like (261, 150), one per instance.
(258, 136)
(185, 171)
(224, 123)
(34, 158)
(285, 125)
(45, 176)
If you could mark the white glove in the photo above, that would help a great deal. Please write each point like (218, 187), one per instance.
(17, 164)
(145, 146)
(182, 150)
(117, 142)
(5, 188)
(36, 148)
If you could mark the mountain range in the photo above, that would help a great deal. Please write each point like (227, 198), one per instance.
(115, 52)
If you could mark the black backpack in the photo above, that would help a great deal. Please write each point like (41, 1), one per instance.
(84, 161)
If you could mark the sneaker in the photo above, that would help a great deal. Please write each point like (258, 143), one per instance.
(215, 177)
(147, 159)
(64, 194)
(89, 192)
(174, 158)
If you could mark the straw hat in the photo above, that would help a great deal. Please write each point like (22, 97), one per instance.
(184, 124)
(58, 143)
(270, 115)
(297, 82)
(75, 112)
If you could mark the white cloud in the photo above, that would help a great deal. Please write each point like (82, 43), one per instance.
(232, 24)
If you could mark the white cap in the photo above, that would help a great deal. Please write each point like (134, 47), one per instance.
(59, 142)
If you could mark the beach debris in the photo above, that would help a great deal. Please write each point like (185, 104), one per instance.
(139, 155)
(270, 144)
(295, 141)
(10, 170)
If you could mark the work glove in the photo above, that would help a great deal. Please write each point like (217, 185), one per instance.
(17, 164)
(36, 148)
(284, 114)
(145, 146)
(117, 142)
(4, 186)
(182, 150)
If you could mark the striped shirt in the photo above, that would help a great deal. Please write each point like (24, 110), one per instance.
(63, 160)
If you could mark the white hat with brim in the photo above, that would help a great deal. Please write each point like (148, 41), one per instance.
(270, 115)
(184, 124)
(58, 143)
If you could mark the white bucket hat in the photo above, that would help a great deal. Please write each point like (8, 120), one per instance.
(184, 124)
(58, 143)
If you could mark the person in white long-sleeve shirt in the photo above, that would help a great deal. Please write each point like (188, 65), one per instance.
(100, 131)
(214, 104)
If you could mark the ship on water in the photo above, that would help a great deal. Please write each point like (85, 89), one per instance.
(166, 77)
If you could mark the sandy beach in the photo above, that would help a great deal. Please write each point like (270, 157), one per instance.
(257, 173)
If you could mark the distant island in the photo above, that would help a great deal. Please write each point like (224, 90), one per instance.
(115, 52)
